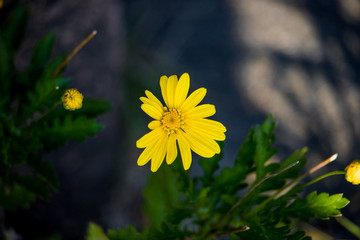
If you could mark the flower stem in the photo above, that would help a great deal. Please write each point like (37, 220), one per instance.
(72, 54)
(219, 223)
(323, 176)
(290, 187)
(349, 225)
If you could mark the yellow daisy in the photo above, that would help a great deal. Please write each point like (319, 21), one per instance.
(180, 123)
(352, 172)
(72, 99)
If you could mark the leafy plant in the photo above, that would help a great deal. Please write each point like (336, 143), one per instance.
(253, 199)
(31, 120)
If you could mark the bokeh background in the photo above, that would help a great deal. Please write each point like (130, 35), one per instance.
(299, 60)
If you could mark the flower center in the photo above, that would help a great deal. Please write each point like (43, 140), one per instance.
(172, 120)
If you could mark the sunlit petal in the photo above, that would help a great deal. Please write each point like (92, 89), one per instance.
(207, 124)
(160, 154)
(182, 90)
(201, 111)
(202, 145)
(151, 111)
(184, 151)
(153, 98)
(163, 86)
(171, 152)
(194, 99)
(149, 138)
(171, 87)
(154, 124)
(153, 103)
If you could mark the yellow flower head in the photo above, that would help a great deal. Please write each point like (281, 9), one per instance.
(179, 123)
(72, 99)
(352, 172)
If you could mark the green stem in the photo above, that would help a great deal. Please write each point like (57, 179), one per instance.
(44, 115)
(291, 186)
(220, 222)
(322, 177)
(350, 226)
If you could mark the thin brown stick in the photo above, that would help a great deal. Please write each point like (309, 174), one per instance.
(71, 55)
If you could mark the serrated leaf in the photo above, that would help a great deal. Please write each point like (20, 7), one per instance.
(315, 205)
(264, 231)
(15, 196)
(95, 232)
(45, 170)
(6, 71)
(264, 138)
(59, 132)
(41, 54)
(15, 28)
(91, 108)
(161, 195)
(45, 94)
(210, 165)
(129, 233)
(35, 185)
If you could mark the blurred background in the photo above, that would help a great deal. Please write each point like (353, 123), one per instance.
(299, 60)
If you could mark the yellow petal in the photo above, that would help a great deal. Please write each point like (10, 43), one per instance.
(149, 138)
(148, 153)
(151, 111)
(163, 86)
(171, 152)
(201, 111)
(160, 154)
(154, 124)
(171, 87)
(205, 147)
(182, 90)
(194, 99)
(153, 98)
(184, 150)
(158, 107)
(206, 124)
(145, 156)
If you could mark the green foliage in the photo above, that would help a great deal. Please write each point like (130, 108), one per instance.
(254, 199)
(95, 232)
(31, 118)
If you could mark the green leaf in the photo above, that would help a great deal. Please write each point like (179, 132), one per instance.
(35, 185)
(210, 165)
(45, 170)
(129, 233)
(93, 107)
(45, 95)
(6, 71)
(15, 196)
(95, 232)
(264, 138)
(59, 132)
(41, 54)
(15, 28)
(161, 195)
(166, 232)
(265, 231)
(320, 206)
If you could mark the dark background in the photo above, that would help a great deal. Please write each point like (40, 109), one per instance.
(298, 60)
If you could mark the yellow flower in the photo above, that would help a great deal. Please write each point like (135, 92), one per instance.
(72, 99)
(352, 172)
(180, 123)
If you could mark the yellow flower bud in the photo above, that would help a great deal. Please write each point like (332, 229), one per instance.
(352, 172)
(72, 99)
